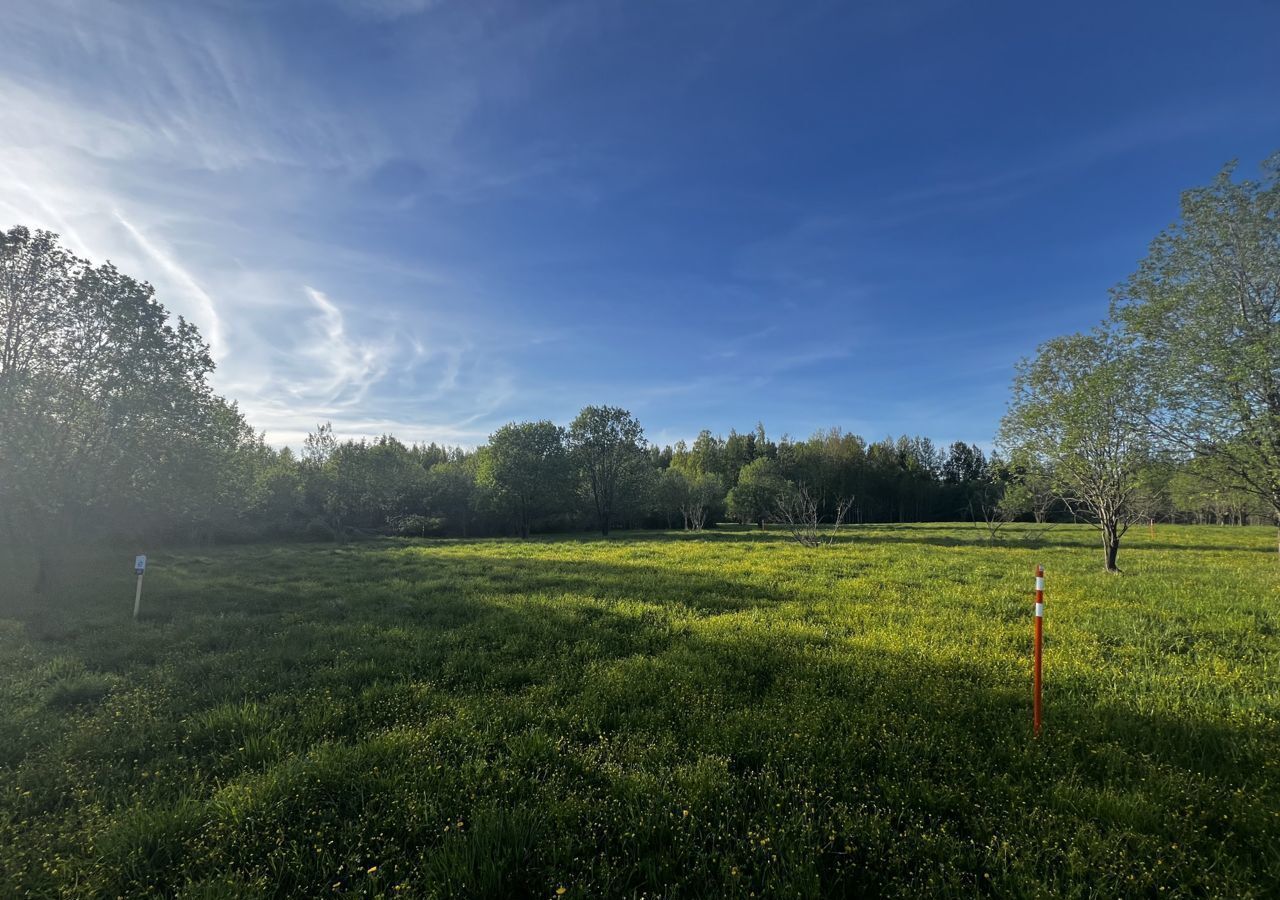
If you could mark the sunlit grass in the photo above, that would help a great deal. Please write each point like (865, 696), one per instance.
(656, 714)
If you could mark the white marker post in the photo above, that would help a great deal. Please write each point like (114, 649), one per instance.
(139, 567)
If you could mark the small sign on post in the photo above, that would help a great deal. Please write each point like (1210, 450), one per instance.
(139, 568)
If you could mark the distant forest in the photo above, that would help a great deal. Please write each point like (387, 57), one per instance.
(1169, 410)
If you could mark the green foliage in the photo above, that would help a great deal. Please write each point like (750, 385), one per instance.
(453, 494)
(278, 490)
(1202, 492)
(703, 500)
(965, 463)
(1029, 486)
(759, 489)
(659, 714)
(1202, 317)
(607, 444)
(107, 423)
(526, 465)
(1074, 413)
(697, 498)
(670, 495)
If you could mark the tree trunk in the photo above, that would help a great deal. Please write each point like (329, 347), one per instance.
(1110, 545)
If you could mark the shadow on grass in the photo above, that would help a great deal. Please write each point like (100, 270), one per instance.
(614, 726)
(633, 757)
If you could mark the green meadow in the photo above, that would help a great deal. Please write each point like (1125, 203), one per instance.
(726, 714)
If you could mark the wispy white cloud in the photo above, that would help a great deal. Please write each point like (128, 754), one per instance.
(209, 321)
(177, 144)
(346, 367)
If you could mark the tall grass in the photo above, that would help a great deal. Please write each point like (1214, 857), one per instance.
(656, 714)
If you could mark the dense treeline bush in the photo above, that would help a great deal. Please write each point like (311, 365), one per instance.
(1170, 409)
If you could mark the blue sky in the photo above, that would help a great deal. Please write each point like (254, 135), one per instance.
(431, 218)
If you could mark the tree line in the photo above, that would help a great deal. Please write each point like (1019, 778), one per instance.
(1170, 409)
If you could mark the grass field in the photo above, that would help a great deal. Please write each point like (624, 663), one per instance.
(656, 714)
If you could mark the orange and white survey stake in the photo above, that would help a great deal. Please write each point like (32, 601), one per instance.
(1039, 641)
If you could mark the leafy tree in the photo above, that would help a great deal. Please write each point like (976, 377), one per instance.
(764, 446)
(760, 487)
(637, 495)
(452, 492)
(695, 497)
(964, 463)
(831, 464)
(202, 484)
(607, 444)
(660, 457)
(737, 451)
(380, 480)
(278, 491)
(1074, 413)
(1203, 317)
(703, 497)
(324, 496)
(669, 494)
(318, 447)
(967, 475)
(527, 466)
(1029, 488)
(1197, 492)
(103, 401)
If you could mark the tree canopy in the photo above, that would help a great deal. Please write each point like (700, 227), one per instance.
(1075, 413)
(107, 421)
(1201, 316)
(526, 465)
(607, 444)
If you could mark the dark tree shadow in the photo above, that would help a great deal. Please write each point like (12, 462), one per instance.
(638, 687)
